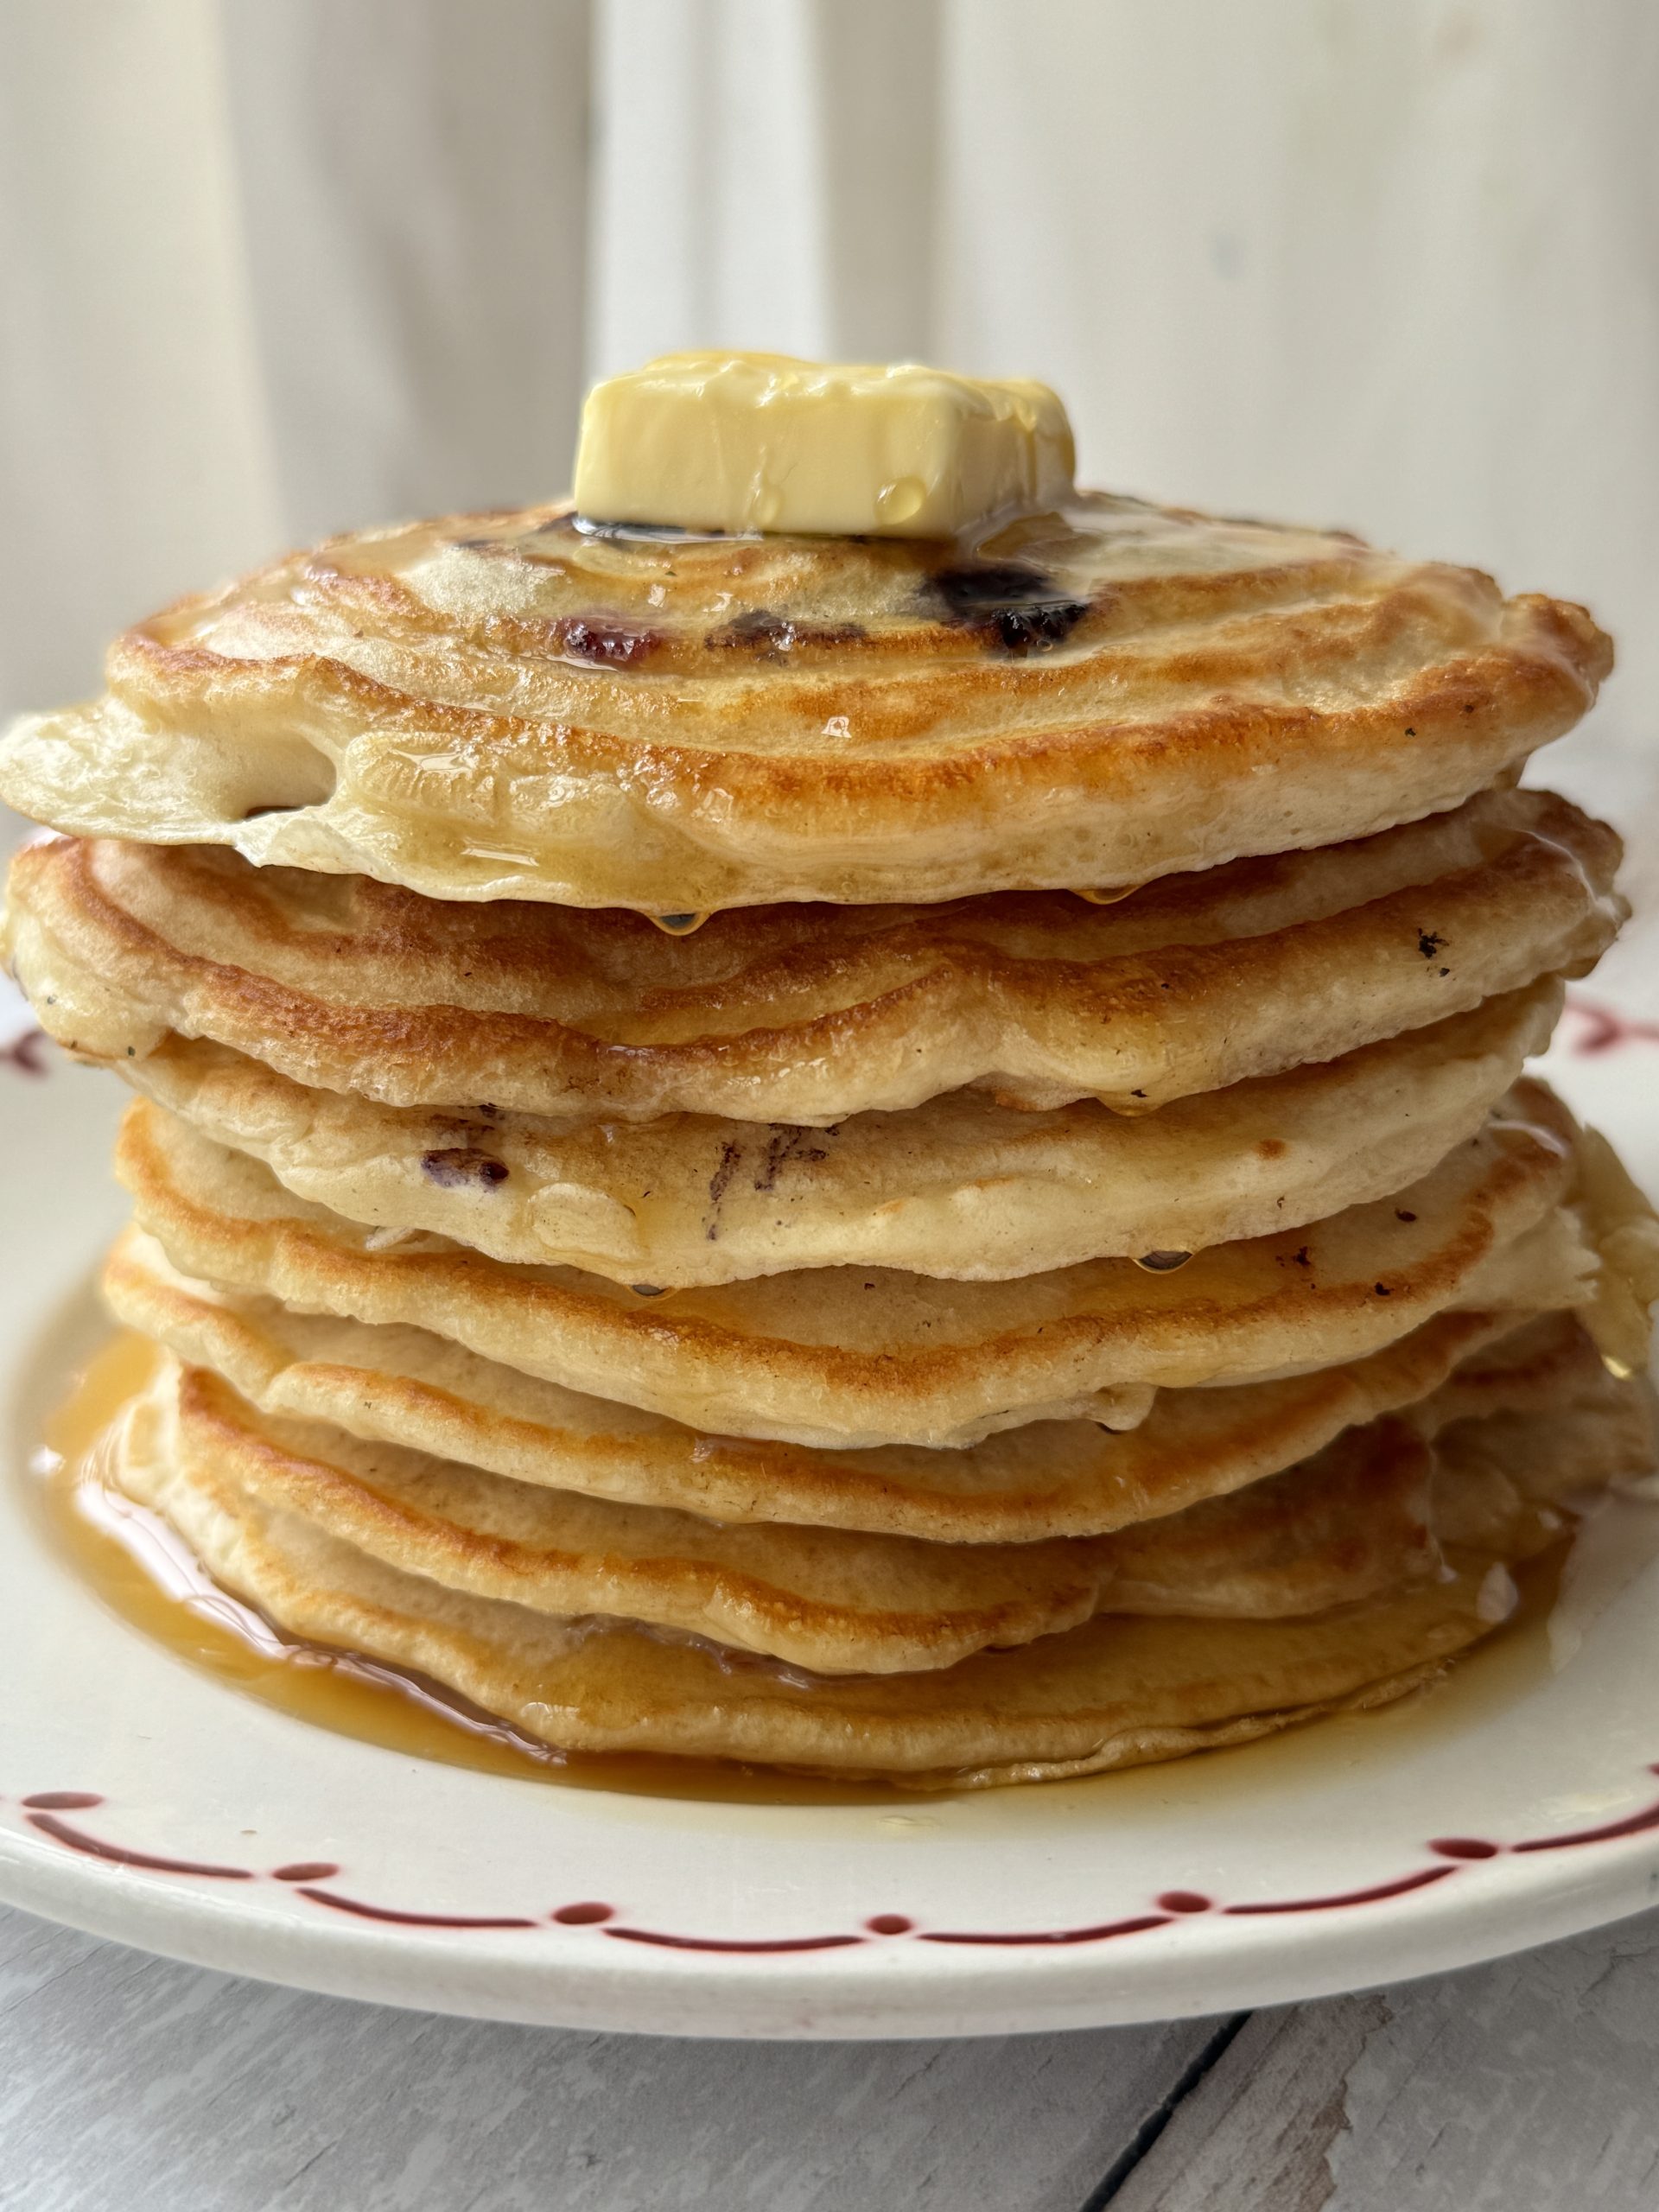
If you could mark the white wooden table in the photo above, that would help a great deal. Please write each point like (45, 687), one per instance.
(129, 2084)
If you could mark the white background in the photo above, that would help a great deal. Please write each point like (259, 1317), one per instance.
(269, 270)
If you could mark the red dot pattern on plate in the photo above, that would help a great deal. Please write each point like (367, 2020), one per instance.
(41, 1811)
(363, 1910)
(1605, 1028)
(120, 1854)
(26, 1053)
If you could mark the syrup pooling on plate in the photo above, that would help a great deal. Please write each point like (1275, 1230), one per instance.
(145, 1575)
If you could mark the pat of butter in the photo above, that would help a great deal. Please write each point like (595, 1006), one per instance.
(758, 441)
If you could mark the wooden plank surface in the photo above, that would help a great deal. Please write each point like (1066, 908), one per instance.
(129, 2084)
(1528, 2085)
(1531, 2085)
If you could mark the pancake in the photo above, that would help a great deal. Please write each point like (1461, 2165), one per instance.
(811, 1014)
(505, 705)
(850, 1357)
(1115, 1692)
(393, 1384)
(1620, 1222)
(961, 1188)
(1351, 1521)
(1499, 1415)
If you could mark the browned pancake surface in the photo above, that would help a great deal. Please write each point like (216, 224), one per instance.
(851, 1356)
(809, 1013)
(501, 705)
(1114, 1691)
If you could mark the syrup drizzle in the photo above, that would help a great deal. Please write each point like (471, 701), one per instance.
(144, 1573)
(73, 1464)
(1108, 898)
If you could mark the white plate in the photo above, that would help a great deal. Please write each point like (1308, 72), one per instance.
(144, 1800)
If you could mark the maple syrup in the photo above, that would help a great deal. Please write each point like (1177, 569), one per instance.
(134, 1563)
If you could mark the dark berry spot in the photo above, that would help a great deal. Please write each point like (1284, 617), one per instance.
(1401, 1214)
(1034, 630)
(458, 1165)
(786, 1144)
(1428, 944)
(770, 633)
(730, 1153)
(1022, 607)
(1381, 1290)
(975, 588)
(760, 627)
(608, 644)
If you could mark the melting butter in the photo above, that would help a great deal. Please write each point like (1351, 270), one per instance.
(760, 441)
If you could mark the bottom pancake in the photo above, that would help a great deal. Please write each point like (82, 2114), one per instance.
(1116, 1691)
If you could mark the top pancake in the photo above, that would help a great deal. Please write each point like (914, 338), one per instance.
(508, 705)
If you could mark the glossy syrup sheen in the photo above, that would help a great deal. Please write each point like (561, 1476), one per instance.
(145, 1575)
(142, 1572)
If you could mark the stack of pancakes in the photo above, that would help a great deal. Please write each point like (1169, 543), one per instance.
(845, 1153)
